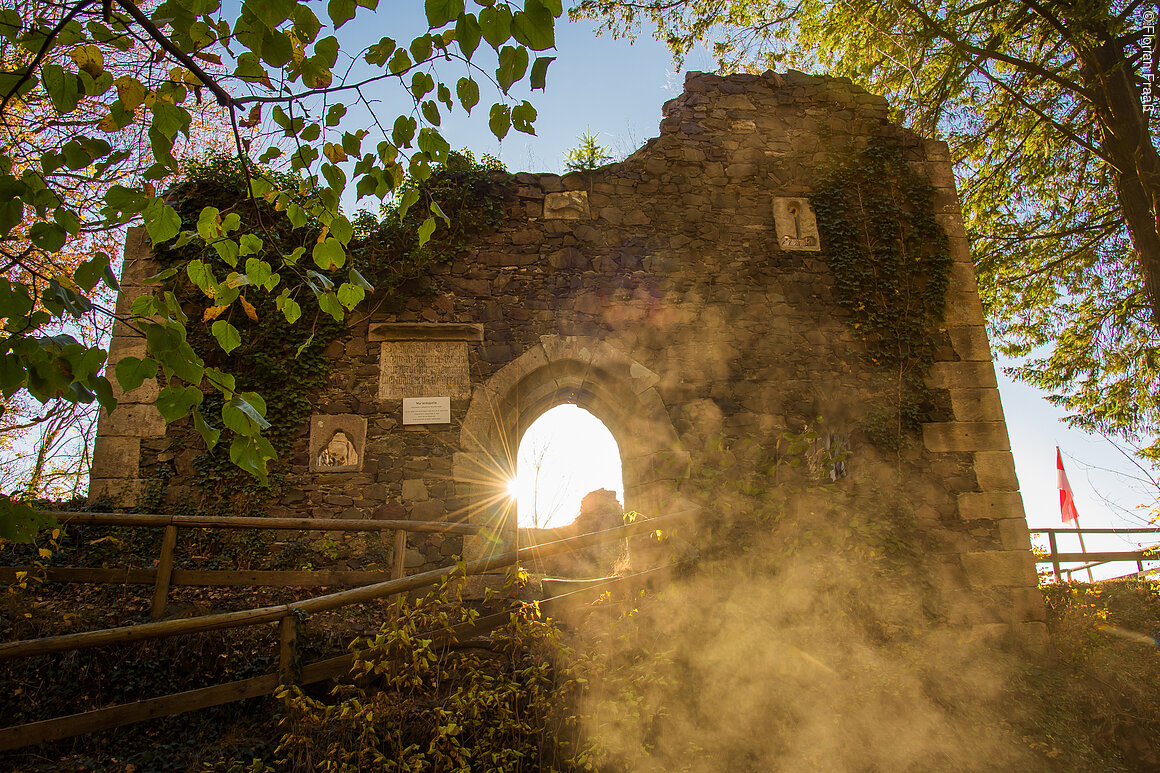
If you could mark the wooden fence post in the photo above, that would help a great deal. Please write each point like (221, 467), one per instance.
(164, 572)
(1054, 553)
(398, 562)
(288, 666)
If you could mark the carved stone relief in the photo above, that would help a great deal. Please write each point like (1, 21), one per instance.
(797, 227)
(337, 442)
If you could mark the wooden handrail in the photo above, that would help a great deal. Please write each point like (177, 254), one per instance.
(1147, 530)
(249, 522)
(260, 615)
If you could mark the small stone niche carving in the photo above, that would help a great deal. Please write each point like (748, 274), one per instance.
(339, 452)
(337, 442)
(797, 227)
(567, 205)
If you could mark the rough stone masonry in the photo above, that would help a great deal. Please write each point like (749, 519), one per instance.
(682, 296)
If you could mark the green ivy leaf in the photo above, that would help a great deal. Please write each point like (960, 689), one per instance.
(468, 92)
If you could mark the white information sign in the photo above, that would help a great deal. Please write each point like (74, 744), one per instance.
(426, 410)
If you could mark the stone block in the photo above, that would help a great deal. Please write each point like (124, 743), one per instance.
(133, 421)
(961, 375)
(121, 492)
(976, 405)
(995, 471)
(1013, 534)
(964, 308)
(1027, 605)
(954, 436)
(962, 274)
(116, 457)
(970, 343)
(1000, 568)
(415, 490)
(567, 205)
(994, 506)
(146, 393)
(427, 510)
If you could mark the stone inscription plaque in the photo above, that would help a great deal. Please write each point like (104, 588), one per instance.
(418, 368)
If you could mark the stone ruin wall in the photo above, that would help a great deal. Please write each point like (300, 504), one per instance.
(653, 292)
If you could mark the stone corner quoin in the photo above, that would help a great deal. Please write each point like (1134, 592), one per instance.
(681, 295)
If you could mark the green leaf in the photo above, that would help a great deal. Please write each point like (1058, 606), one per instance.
(441, 12)
(534, 26)
(161, 221)
(227, 335)
(131, 372)
(270, 12)
(289, 307)
(495, 25)
(467, 34)
(328, 302)
(251, 454)
(425, 230)
(540, 71)
(341, 229)
(500, 120)
(63, 88)
(208, 433)
(523, 115)
(341, 11)
(513, 63)
(175, 401)
(329, 254)
(350, 295)
(334, 114)
(49, 237)
(430, 112)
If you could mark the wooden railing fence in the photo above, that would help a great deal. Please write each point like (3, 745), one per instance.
(287, 617)
(165, 576)
(1090, 559)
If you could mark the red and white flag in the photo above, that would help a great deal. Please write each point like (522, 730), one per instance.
(1066, 500)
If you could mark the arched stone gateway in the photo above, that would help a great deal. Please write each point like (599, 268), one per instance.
(691, 299)
(594, 375)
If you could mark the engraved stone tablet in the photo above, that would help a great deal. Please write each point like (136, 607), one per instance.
(567, 205)
(797, 228)
(416, 368)
(426, 410)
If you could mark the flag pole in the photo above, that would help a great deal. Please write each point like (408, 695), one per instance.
(1067, 508)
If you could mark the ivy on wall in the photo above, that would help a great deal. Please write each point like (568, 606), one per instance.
(891, 264)
(285, 363)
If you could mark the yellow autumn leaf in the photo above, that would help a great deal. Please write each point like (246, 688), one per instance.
(323, 234)
(212, 313)
(130, 91)
(45, 553)
(248, 307)
(108, 124)
(89, 58)
(296, 49)
(334, 153)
